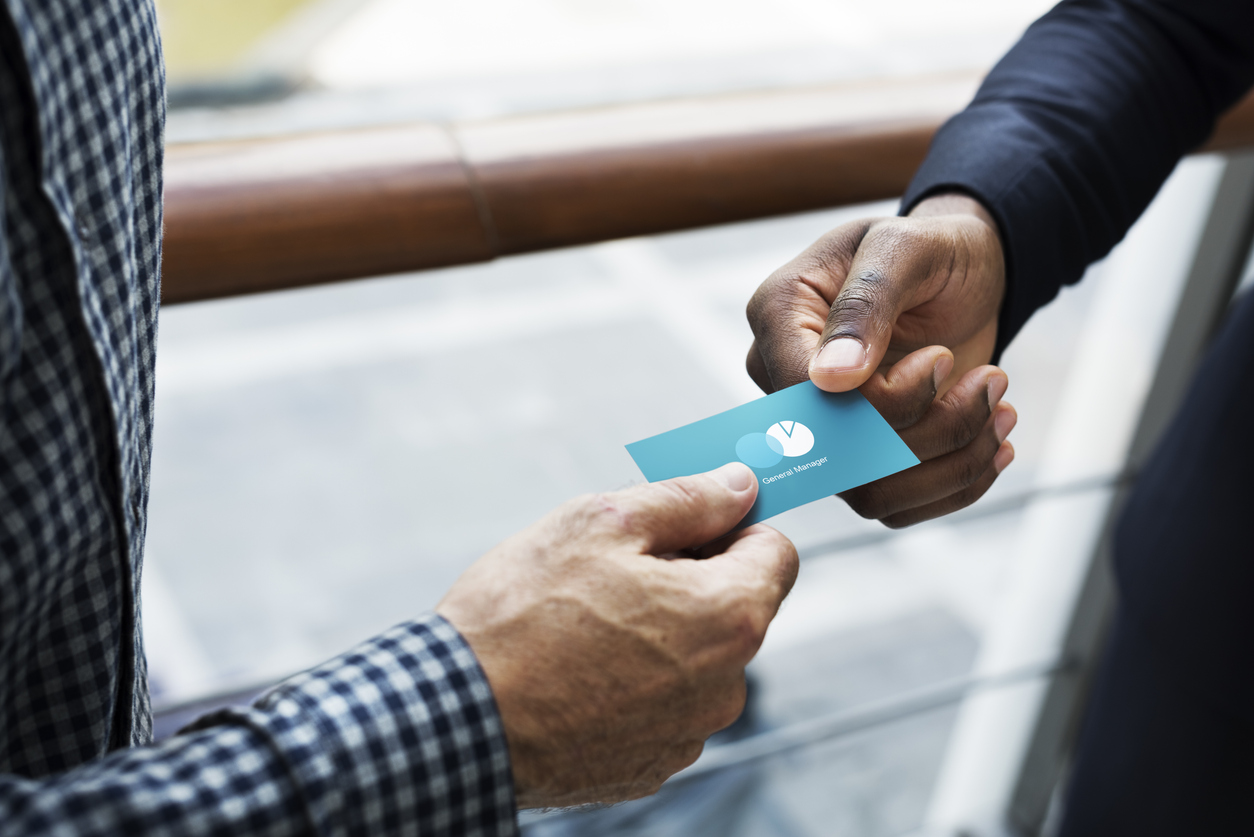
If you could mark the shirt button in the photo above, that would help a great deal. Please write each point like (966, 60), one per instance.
(81, 221)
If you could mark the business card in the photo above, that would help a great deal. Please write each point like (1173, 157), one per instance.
(803, 443)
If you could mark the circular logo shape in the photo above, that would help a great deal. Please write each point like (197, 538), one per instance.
(758, 450)
(795, 438)
(765, 450)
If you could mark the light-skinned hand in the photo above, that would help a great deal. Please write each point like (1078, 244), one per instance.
(612, 652)
(905, 310)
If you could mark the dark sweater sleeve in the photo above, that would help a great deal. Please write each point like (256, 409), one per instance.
(1077, 127)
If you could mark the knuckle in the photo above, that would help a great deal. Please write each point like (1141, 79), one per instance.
(901, 407)
(968, 470)
(642, 790)
(790, 559)
(842, 240)
(869, 501)
(599, 511)
(647, 781)
(742, 621)
(835, 249)
(977, 489)
(704, 601)
(763, 300)
(730, 706)
(960, 426)
(749, 632)
(775, 302)
(912, 410)
(687, 754)
(681, 755)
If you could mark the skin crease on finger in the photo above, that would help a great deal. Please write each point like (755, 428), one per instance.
(611, 667)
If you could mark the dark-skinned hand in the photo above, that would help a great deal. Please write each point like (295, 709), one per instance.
(904, 310)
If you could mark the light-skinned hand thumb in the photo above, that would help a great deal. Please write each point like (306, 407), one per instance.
(689, 511)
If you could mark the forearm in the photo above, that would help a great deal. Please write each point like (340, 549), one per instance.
(399, 735)
(1077, 127)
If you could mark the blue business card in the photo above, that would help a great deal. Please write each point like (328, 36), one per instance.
(802, 442)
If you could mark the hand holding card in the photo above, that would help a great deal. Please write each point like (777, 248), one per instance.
(801, 442)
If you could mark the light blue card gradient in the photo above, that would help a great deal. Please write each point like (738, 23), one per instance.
(802, 442)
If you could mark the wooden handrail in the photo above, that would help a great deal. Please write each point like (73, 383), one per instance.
(260, 215)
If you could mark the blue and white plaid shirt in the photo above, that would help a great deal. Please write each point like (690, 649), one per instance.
(399, 736)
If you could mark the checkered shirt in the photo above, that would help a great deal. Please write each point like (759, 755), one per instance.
(399, 736)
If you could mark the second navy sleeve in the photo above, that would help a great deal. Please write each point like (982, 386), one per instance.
(1076, 128)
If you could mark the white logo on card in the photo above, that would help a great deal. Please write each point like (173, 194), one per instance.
(793, 436)
(765, 450)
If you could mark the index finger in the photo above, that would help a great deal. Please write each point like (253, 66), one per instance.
(759, 557)
(904, 392)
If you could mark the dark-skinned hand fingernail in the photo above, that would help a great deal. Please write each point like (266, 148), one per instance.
(941, 371)
(996, 389)
(1005, 455)
(840, 355)
(1004, 423)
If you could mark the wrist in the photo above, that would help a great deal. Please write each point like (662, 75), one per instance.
(954, 203)
(970, 222)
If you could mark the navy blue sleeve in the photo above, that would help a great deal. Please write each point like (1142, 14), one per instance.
(1077, 127)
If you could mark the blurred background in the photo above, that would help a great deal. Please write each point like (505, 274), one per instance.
(373, 61)
(320, 453)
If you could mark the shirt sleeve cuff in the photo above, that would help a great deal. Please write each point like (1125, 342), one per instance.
(399, 735)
